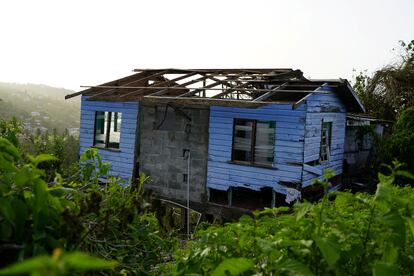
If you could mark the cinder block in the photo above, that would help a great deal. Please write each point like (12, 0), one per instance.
(163, 156)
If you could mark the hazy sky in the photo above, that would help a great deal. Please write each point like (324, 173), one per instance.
(73, 43)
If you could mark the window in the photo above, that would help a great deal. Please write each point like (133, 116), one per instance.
(325, 141)
(107, 129)
(253, 141)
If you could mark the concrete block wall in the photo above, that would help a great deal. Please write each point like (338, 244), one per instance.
(163, 136)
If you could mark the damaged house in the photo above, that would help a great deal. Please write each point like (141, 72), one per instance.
(242, 138)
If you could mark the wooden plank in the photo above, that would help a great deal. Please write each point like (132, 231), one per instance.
(301, 101)
(272, 107)
(260, 112)
(281, 170)
(127, 78)
(85, 101)
(112, 109)
(180, 86)
(193, 92)
(273, 71)
(312, 169)
(281, 157)
(270, 93)
(227, 91)
(208, 101)
(288, 130)
(217, 187)
(247, 183)
(139, 91)
(127, 84)
(294, 121)
(226, 118)
(288, 144)
(294, 151)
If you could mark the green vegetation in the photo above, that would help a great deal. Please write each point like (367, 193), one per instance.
(58, 264)
(389, 90)
(51, 110)
(400, 144)
(109, 221)
(63, 146)
(11, 130)
(389, 94)
(58, 218)
(343, 234)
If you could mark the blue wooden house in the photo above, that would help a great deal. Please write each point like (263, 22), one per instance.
(238, 137)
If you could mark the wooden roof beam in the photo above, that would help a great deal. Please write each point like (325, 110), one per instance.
(191, 93)
(209, 87)
(222, 70)
(301, 101)
(208, 101)
(129, 83)
(270, 93)
(139, 91)
(227, 91)
(180, 86)
(90, 88)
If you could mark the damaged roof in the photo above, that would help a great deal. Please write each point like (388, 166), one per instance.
(229, 87)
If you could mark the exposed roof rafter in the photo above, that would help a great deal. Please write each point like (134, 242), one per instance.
(239, 87)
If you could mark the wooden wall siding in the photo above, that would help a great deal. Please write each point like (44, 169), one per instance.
(122, 161)
(327, 107)
(289, 137)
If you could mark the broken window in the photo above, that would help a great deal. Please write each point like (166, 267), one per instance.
(107, 129)
(325, 149)
(253, 141)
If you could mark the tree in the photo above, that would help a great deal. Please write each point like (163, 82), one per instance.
(391, 89)
(400, 145)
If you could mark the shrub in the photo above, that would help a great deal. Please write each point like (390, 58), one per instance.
(58, 264)
(11, 130)
(106, 220)
(30, 221)
(400, 144)
(343, 234)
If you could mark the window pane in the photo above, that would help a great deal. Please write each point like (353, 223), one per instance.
(242, 146)
(115, 120)
(100, 129)
(115, 134)
(265, 140)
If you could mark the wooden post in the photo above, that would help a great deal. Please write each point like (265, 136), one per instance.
(273, 204)
(184, 217)
(230, 196)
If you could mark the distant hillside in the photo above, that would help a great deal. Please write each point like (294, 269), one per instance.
(39, 106)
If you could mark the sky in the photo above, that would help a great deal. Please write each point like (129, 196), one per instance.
(71, 43)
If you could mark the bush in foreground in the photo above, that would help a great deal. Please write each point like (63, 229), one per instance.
(343, 234)
(108, 221)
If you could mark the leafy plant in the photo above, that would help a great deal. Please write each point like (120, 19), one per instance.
(92, 167)
(30, 221)
(107, 220)
(58, 264)
(343, 234)
(400, 145)
(116, 223)
(389, 90)
(11, 130)
(63, 146)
